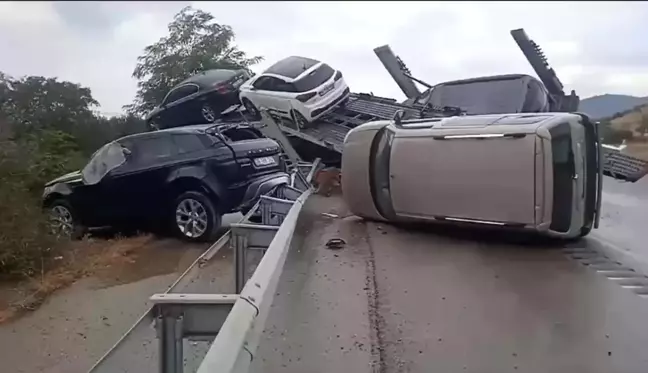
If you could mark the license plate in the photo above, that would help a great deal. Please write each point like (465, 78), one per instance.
(238, 81)
(264, 161)
(327, 89)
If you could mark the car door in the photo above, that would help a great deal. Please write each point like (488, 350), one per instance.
(135, 190)
(180, 106)
(265, 92)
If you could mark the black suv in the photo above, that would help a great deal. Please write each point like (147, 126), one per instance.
(198, 99)
(185, 178)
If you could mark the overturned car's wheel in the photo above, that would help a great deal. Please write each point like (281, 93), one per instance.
(63, 222)
(195, 218)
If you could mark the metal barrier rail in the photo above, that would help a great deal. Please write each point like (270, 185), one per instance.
(237, 340)
(178, 316)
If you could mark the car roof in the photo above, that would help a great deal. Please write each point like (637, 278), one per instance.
(193, 129)
(291, 67)
(209, 77)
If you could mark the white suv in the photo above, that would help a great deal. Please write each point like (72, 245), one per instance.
(299, 88)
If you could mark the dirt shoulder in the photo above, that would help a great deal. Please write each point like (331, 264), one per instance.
(110, 261)
(101, 288)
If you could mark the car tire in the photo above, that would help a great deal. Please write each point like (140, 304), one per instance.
(299, 120)
(194, 217)
(251, 109)
(63, 220)
(207, 113)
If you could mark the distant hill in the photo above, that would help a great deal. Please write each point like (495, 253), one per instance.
(607, 105)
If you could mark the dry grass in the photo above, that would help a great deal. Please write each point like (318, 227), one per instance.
(80, 259)
(630, 121)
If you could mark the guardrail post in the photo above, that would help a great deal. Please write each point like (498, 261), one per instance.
(240, 261)
(169, 328)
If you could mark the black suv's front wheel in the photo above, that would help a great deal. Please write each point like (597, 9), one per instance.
(194, 217)
(63, 220)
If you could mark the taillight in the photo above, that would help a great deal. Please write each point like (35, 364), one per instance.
(338, 76)
(306, 96)
(222, 87)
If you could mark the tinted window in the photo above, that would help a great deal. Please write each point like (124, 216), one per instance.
(261, 83)
(314, 79)
(152, 149)
(186, 143)
(495, 96)
(269, 83)
(106, 159)
(180, 92)
(291, 67)
(535, 100)
(219, 75)
(563, 172)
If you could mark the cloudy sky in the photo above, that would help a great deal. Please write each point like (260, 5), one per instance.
(595, 47)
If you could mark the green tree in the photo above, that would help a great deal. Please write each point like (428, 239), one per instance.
(195, 43)
(35, 102)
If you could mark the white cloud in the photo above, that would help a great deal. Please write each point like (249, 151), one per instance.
(594, 47)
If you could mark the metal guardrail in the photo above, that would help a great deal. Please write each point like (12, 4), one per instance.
(234, 347)
(203, 317)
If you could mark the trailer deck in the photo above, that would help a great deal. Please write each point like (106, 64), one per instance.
(420, 300)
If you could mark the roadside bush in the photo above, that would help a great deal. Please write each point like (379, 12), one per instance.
(25, 243)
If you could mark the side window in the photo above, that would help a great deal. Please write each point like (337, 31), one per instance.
(187, 143)
(270, 83)
(260, 83)
(282, 86)
(536, 98)
(153, 149)
(180, 93)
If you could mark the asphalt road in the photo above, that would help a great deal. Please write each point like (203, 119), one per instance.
(391, 300)
(418, 300)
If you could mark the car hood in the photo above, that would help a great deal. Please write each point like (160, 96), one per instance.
(67, 178)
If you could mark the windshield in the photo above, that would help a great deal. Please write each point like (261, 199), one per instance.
(482, 97)
(107, 158)
(315, 79)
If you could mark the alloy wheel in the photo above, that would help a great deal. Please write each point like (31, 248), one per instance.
(208, 113)
(61, 221)
(191, 218)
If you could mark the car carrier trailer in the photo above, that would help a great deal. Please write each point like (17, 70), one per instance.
(329, 131)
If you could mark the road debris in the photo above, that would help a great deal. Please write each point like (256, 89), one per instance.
(335, 243)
